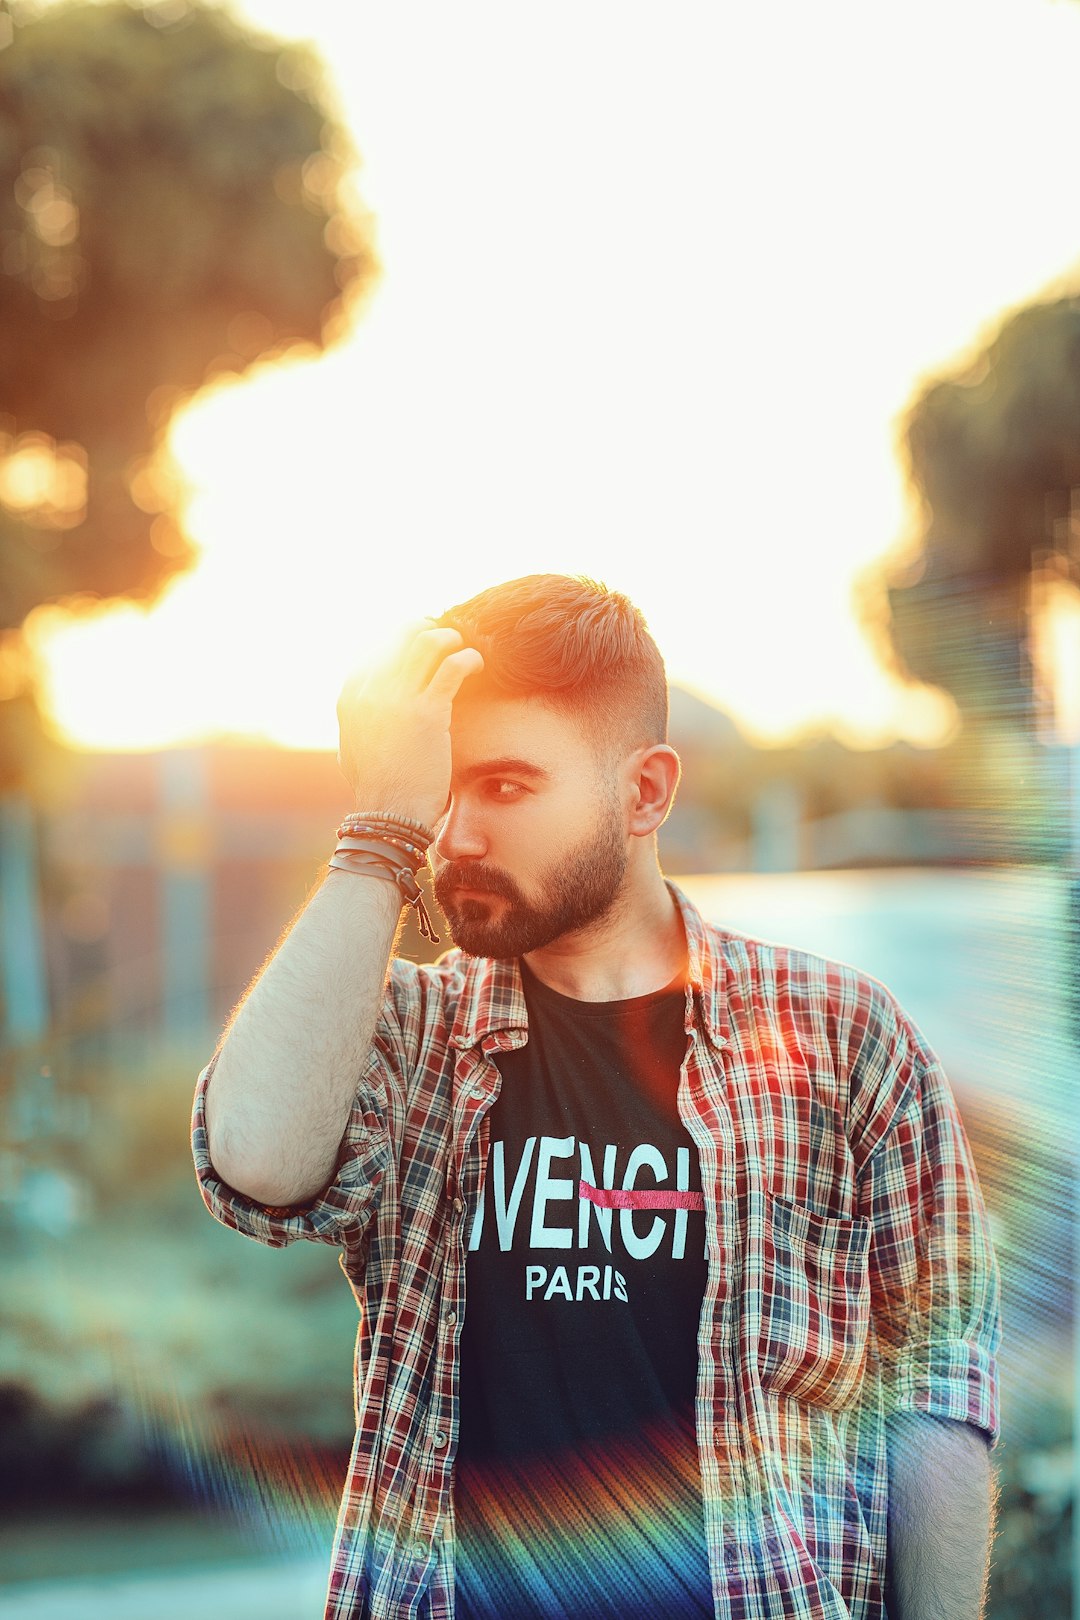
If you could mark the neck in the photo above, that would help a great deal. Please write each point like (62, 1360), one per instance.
(638, 946)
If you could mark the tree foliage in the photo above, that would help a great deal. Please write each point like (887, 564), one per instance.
(173, 206)
(993, 456)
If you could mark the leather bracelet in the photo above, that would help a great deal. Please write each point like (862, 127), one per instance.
(385, 844)
(383, 865)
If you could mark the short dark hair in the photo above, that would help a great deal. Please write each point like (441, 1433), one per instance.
(576, 645)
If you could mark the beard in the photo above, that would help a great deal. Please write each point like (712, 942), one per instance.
(578, 889)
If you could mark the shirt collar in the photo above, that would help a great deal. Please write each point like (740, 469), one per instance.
(492, 999)
(707, 967)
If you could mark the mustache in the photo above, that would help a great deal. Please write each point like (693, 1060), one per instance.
(474, 875)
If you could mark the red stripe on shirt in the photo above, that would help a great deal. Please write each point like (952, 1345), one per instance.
(640, 1197)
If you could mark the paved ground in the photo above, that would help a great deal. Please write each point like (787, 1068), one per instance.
(273, 1591)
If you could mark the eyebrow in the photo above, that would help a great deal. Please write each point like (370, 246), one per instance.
(505, 767)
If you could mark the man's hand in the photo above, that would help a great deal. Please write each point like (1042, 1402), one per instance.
(394, 724)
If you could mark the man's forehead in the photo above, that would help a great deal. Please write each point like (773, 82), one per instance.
(491, 729)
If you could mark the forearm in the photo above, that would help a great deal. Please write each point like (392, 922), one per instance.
(278, 1101)
(279, 1098)
(940, 1519)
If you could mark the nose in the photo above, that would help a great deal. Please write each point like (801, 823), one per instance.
(460, 836)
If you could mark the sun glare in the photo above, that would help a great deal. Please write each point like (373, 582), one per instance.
(665, 348)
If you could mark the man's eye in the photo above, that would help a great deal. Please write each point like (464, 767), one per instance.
(504, 790)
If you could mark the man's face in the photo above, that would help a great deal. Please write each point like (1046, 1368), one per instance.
(534, 844)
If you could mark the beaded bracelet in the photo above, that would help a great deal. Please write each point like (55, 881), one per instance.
(371, 830)
(391, 821)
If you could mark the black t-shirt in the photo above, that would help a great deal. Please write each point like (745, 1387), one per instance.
(577, 1486)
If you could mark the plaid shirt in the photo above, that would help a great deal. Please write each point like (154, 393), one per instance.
(851, 1271)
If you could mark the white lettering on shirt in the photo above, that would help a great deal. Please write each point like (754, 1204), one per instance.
(682, 1184)
(506, 1213)
(603, 1216)
(548, 1187)
(586, 1281)
(640, 1248)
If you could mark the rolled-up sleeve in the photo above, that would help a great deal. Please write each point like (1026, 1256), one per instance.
(339, 1213)
(935, 1286)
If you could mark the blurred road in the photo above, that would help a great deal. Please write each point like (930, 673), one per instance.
(275, 1591)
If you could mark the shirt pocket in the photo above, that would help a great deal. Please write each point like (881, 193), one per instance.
(815, 1312)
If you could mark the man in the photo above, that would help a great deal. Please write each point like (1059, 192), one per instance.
(676, 1290)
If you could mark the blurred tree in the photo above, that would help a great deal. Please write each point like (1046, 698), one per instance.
(173, 207)
(993, 457)
(988, 582)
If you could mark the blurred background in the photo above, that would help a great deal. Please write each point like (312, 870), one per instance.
(768, 316)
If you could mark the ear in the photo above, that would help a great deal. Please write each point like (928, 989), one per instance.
(656, 771)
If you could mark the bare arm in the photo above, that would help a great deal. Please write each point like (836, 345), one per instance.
(940, 1517)
(279, 1097)
(278, 1100)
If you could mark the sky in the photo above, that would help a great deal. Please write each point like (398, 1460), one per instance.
(657, 284)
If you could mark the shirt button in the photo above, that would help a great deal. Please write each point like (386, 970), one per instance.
(478, 1092)
(718, 1437)
(438, 1439)
(450, 1318)
(420, 1550)
(458, 1206)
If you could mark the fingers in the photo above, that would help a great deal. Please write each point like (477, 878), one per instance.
(361, 673)
(455, 668)
(411, 657)
(426, 652)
